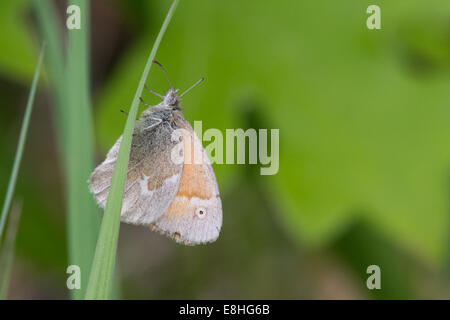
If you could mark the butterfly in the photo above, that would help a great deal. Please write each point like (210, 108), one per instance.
(166, 187)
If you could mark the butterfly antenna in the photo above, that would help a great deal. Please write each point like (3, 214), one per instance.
(192, 87)
(162, 68)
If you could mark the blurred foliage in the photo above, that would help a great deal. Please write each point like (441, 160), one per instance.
(18, 55)
(363, 118)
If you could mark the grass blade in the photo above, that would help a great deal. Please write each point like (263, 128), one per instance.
(47, 20)
(69, 80)
(105, 254)
(21, 143)
(83, 214)
(7, 250)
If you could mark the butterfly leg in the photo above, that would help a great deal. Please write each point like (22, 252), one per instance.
(125, 113)
(144, 103)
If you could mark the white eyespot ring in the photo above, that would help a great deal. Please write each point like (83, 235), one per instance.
(200, 212)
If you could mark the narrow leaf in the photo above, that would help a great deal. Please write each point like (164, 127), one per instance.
(21, 143)
(69, 79)
(7, 249)
(105, 254)
(83, 214)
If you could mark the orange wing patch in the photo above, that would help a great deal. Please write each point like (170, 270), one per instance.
(194, 178)
(195, 182)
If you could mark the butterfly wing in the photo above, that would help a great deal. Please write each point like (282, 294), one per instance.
(152, 178)
(195, 215)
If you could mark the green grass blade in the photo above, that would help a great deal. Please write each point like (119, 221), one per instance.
(74, 131)
(21, 143)
(83, 213)
(105, 254)
(7, 249)
(47, 19)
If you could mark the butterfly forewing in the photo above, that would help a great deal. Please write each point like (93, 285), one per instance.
(152, 178)
(195, 215)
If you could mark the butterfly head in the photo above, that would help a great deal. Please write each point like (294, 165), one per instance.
(172, 99)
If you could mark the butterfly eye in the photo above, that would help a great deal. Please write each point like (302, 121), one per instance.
(200, 212)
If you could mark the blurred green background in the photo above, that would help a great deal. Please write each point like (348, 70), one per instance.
(364, 119)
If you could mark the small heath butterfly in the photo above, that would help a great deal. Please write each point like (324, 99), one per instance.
(177, 198)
